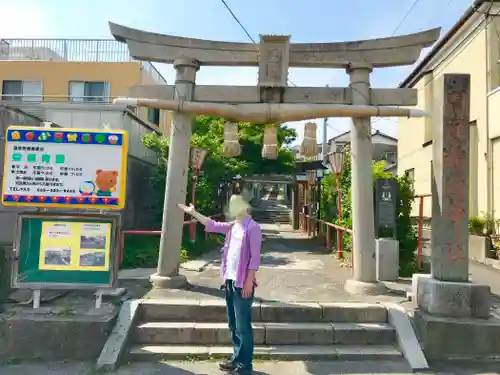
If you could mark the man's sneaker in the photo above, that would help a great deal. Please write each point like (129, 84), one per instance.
(227, 366)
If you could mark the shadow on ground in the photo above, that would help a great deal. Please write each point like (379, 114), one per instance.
(359, 367)
(265, 260)
(261, 368)
(465, 367)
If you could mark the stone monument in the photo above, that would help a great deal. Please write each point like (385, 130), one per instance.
(453, 316)
(448, 291)
(272, 100)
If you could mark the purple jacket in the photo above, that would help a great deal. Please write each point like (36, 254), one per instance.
(250, 250)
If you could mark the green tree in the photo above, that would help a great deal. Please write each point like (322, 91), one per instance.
(405, 233)
(208, 132)
(217, 171)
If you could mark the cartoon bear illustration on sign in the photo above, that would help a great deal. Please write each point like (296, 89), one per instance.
(105, 182)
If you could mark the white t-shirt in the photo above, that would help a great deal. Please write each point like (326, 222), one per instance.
(234, 251)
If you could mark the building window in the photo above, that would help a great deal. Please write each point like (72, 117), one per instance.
(154, 116)
(88, 92)
(27, 91)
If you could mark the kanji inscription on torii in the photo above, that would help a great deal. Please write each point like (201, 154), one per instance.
(274, 56)
(450, 181)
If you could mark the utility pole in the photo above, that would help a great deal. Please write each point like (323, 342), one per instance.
(324, 153)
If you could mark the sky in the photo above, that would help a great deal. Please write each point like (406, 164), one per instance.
(305, 21)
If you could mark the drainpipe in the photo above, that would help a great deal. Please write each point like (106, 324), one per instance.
(489, 156)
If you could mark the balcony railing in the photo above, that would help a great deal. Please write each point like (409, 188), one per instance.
(28, 102)
(27, 99)
(84, 50)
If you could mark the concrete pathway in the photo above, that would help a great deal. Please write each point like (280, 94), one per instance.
(261, 368)
(293, 268)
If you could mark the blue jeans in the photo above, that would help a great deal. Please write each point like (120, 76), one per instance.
(239, 316)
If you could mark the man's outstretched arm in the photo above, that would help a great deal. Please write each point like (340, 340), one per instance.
(210, 224)
(190, 210)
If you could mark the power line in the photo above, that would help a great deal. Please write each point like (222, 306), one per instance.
(394, 33)
(238, 21)
(245, 30)
(405, 17)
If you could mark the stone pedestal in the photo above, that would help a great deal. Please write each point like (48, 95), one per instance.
(168, 282)
(387, 259)
(458, 300)
(167, 275)
(449, 338)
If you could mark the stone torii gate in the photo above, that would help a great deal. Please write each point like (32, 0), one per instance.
(272, 101)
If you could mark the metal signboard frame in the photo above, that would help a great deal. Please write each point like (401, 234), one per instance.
(26, 272)
(91, 179)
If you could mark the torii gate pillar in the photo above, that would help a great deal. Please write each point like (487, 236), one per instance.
(167, 275)
(364, 279)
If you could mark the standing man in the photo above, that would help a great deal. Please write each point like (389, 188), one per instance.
(240, 263)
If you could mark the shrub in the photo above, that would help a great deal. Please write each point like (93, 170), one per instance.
(477, 226)
(405, 232)
(215, 178)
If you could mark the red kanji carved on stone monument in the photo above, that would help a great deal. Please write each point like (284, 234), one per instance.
(456, 213)
(458, 102)
(455, 256)
(458, 129)
(451, 162)
(457, 192)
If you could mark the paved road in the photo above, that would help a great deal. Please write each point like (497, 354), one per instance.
(293, 268)
(261, 368)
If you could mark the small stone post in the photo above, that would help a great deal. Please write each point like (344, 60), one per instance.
(364, 279)
(167, 275)
(448, 291)
(294, 187)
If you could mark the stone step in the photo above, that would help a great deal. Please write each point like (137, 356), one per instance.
(191, 310)
(279, 352)
(153, 333)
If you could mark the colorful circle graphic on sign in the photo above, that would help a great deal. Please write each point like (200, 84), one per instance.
(87, 188)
